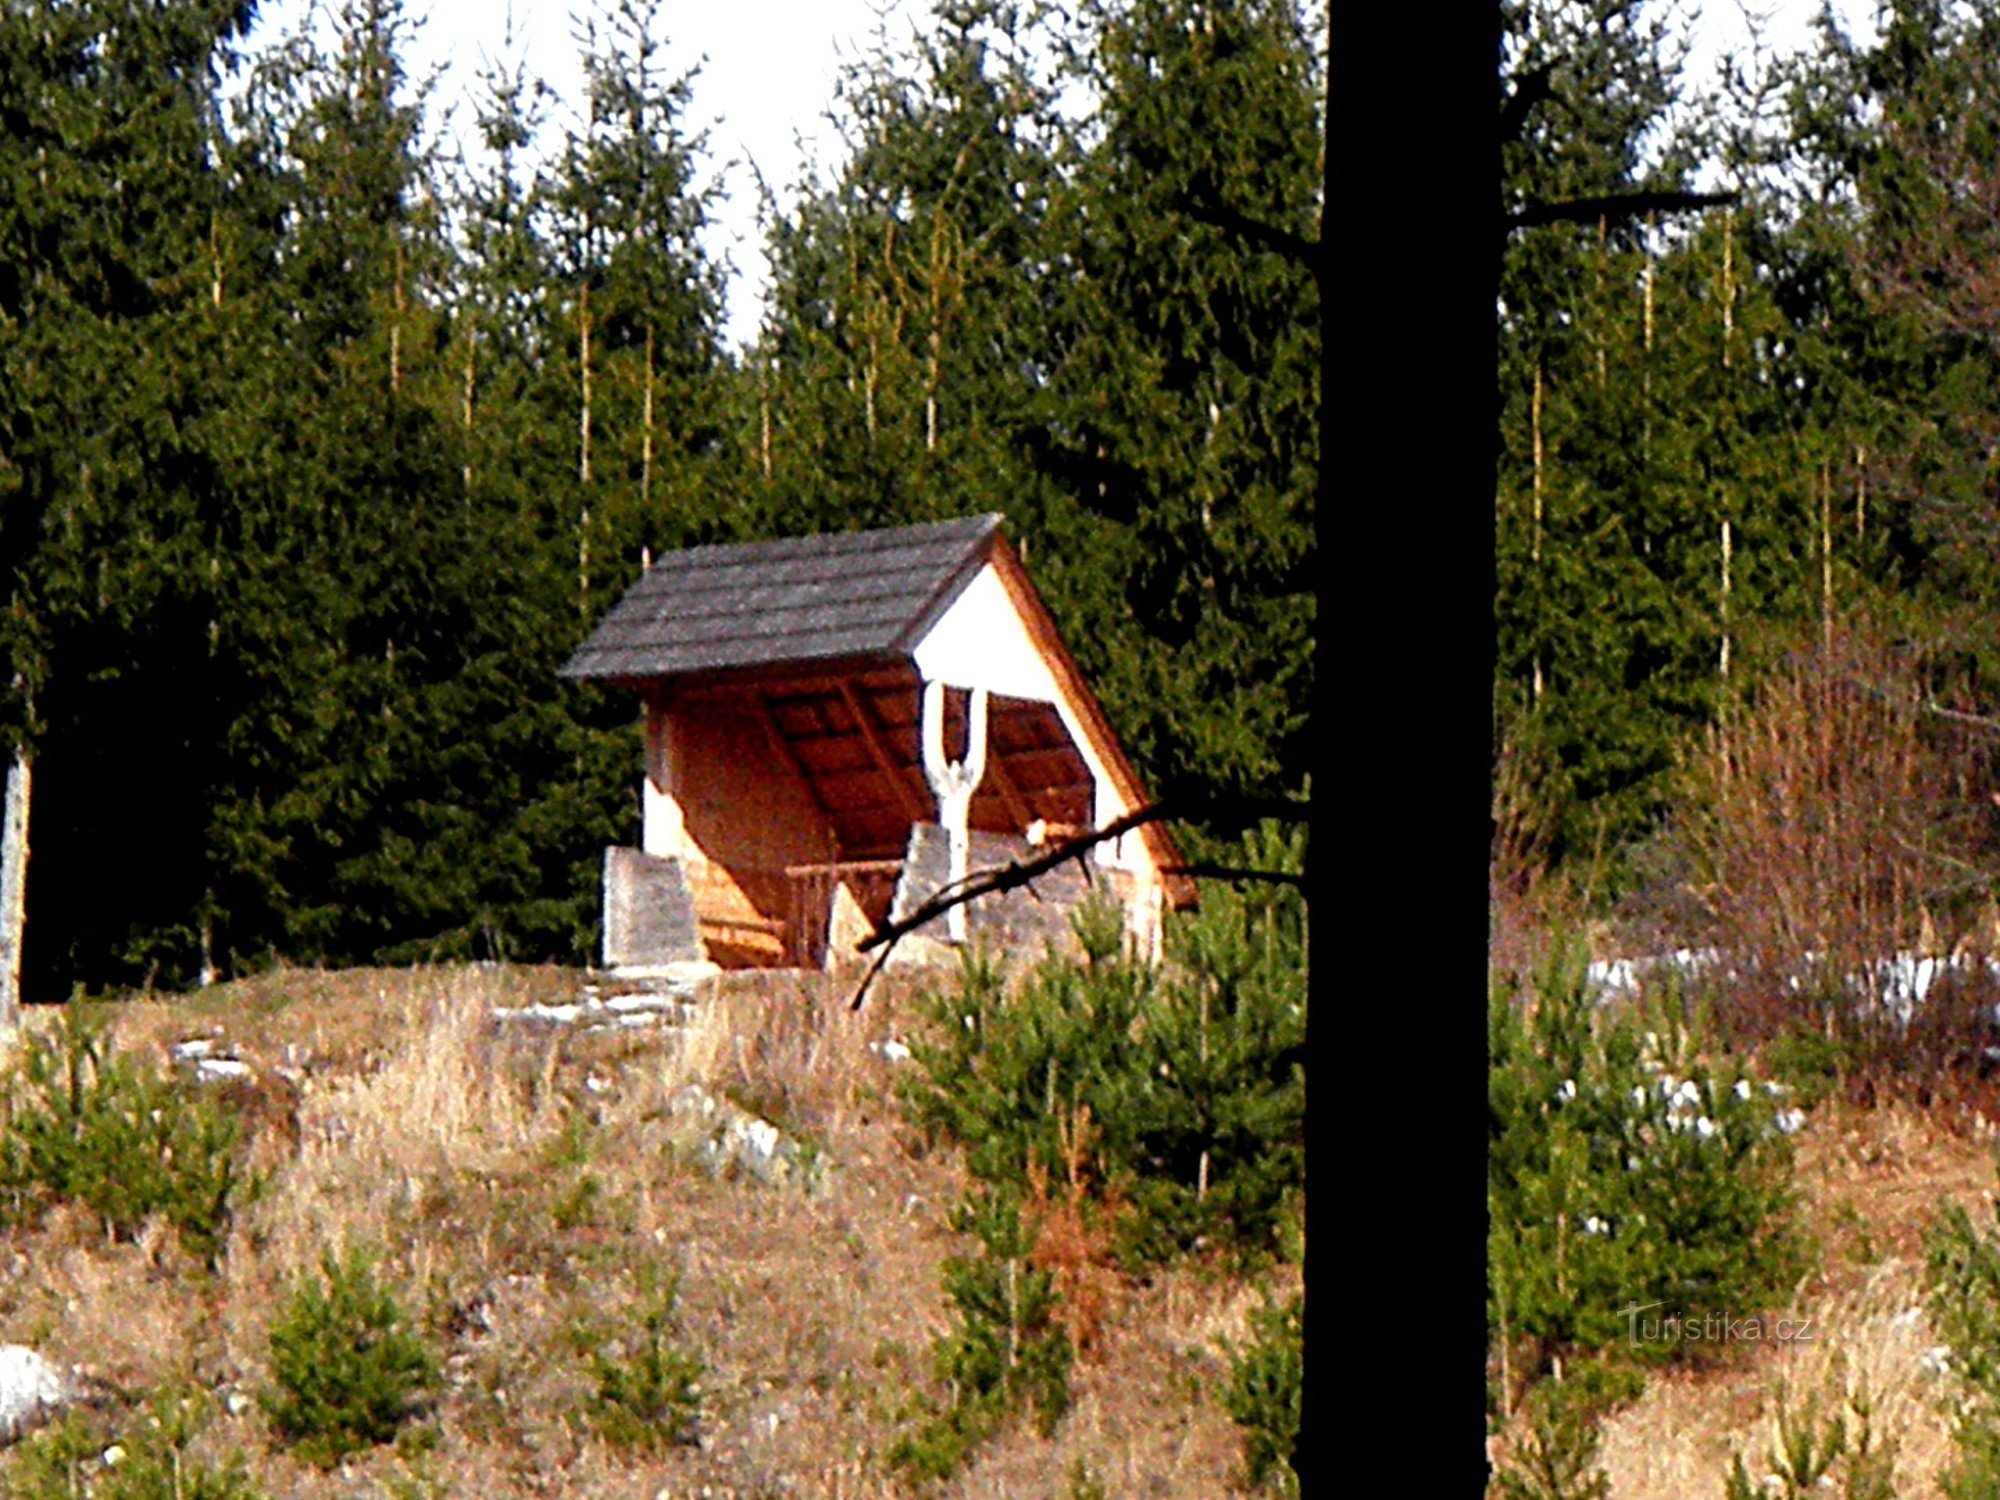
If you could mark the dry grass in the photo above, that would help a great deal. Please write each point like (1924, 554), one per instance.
(1872, 1181)
(523, 1195)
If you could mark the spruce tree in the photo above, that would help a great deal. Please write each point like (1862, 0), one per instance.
(1181, 412)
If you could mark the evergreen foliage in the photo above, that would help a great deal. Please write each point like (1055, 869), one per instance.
(87, 1125)
(1006, 1351)
(348, 1371)
(148, 1457)
(1266, 1388)
(648, 1391)
(1629, 1175)
(318, 452)
(1187, 1080)
(1963, 1273)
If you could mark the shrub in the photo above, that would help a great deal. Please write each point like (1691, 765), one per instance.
(1825, 814)
(349, 1372)
(148, 1459)
(1008, 1348)
(1623, 1170)
(1557, 1457)
(1824, 827)
(648, 1393)
(1192, 1073)
(1963, 1271)
(1812, 1452)
(1265, 1387)
(86, 1125)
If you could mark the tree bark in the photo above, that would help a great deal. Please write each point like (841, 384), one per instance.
(13, 890)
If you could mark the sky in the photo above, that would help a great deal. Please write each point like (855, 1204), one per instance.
(767, 75)
(767, 72)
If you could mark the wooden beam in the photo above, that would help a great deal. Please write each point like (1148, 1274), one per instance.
(915, 806)
(783, 748)
(1017, 805)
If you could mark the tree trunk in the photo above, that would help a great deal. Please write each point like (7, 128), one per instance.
(583, 457)
(1535, 536)
(471, 377)
(1826, 555)
(13, 890)
(646, 457)
(1728, 549)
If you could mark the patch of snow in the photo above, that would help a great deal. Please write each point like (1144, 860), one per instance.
(31, 1389)
(1897, 984)
(546, 1015)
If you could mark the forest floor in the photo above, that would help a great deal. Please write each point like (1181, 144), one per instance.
(1871, 1182)
(524, 1195)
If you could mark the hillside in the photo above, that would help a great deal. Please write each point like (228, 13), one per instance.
(531, 1196)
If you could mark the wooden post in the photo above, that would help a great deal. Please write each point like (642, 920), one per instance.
(13, 890)
(663, 826)
(954, 782)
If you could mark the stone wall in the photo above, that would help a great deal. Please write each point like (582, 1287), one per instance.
(1021, 921)
(648, 911)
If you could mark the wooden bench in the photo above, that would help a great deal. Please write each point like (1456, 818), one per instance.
(732, 926)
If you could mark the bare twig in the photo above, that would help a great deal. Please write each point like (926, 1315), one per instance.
(1242, 811)
(1959, 715)
(1238, 873)
(1615, 207)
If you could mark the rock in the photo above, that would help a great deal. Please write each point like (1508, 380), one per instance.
(722, 1134)
(682, 972)
(31, 1391)
(207, 1060)
(659, 998)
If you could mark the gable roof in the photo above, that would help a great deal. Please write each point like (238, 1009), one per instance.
(851, 598)
(799, 600)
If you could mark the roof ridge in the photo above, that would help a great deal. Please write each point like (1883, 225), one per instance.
(822, 542)
(728, 604)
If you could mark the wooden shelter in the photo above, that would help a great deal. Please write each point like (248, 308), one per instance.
(836, 726)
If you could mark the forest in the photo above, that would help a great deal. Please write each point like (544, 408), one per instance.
(1743, 1025)
(1751, 428)
(321, 447)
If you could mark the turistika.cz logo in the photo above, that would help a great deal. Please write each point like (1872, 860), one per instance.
(1645, 1325)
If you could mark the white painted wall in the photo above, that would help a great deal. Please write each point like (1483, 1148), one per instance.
(663, 826)
(981, 641)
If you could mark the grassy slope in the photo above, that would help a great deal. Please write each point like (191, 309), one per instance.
(467, 1159)
(1871, 1182)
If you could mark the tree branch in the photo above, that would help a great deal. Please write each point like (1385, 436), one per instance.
(1616, 207)
(1201, 201)
(1535, 87)
(1960, 715)
(1240, 811)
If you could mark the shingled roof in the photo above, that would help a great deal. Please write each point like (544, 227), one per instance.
(803, 599)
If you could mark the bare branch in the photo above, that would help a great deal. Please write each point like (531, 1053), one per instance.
(1203, 202)
(1239, 811)
(1616, 207)
(1537, 85)
(1959, 715)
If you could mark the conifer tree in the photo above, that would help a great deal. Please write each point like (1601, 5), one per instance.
(1181, 416)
